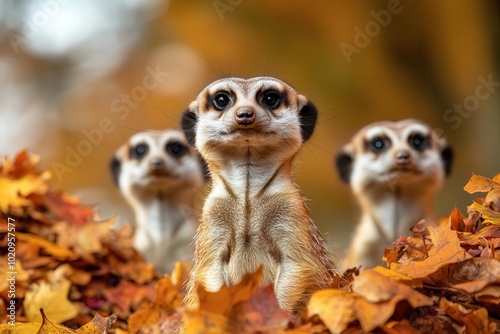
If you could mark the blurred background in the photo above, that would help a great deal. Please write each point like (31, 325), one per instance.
(78, 77)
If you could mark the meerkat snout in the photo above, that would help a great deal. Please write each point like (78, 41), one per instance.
(249, 132)
(160, 176)
(395, 170)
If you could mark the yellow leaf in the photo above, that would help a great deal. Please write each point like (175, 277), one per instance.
(52, 297)
(489, 216)
(334, 307)
(13, 192)
(58, 252)
(481, 184)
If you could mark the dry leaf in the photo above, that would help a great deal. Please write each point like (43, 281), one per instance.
(334, 307)
(98, 325)
(58, 252)
(52, 297)
(67, 208)
(479, 183)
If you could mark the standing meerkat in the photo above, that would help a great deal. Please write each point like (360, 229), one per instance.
(395, 170)
(160, 176)
(249, 132)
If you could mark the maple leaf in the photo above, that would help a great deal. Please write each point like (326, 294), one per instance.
(67, 208)
(52, 296)
(13, 192)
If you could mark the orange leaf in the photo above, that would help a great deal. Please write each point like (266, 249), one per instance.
(446, 250)
(67, 208)
(480, 184)
(58, 252)
(167, 300)
(334, 307)
(215, 308)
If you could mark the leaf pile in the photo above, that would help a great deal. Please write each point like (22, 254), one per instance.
(86, 276)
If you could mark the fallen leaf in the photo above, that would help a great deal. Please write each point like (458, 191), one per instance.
(475, 321)
(167, 300)
(13, 192)
(58, 252)
(212, 316)
(479, 183)
(67, 208)
(98, 325)
(334, 307)
(52, 297)
(446, 250)
(488, 215)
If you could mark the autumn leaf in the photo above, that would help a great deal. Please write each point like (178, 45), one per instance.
(479, 183)
(446, 250)
(212, 316)
(98, 325)
(84, 239)
(52, 297)
(475, 320)
(67, 208)
(167, 300)
(334, 307)
(13, 192)
(488, 215)
(58, 252)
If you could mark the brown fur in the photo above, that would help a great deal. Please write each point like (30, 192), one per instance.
(255, 214)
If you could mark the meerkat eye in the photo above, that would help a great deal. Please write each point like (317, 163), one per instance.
(138, 151)
(176, 149)
(221, 100)
(378, 144)
(418, 141)
(271, 99)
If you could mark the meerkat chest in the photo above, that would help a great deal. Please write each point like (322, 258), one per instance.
(246, 229)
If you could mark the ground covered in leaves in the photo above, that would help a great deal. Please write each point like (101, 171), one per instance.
(64, 270)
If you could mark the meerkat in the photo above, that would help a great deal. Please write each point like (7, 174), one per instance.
(395, 170)
(160, 176)
(249, 131)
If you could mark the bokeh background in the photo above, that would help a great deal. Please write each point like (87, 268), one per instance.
(73, 68)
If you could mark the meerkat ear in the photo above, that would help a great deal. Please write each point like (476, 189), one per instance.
(447, 156)
(115, 166)
(308, 116)
(188, 124)
(344, 162)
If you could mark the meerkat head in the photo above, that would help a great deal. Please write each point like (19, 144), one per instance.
(237, 114)
(384, 154)
(156, 163)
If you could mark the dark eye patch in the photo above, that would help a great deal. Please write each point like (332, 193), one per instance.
(222, 100)
(378, 144)
(271, 99)
(138, 151)
(419, 141)
(176, 149)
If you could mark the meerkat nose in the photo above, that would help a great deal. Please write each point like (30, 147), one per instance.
(403, 157)
(244, 116)
(156, 164)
